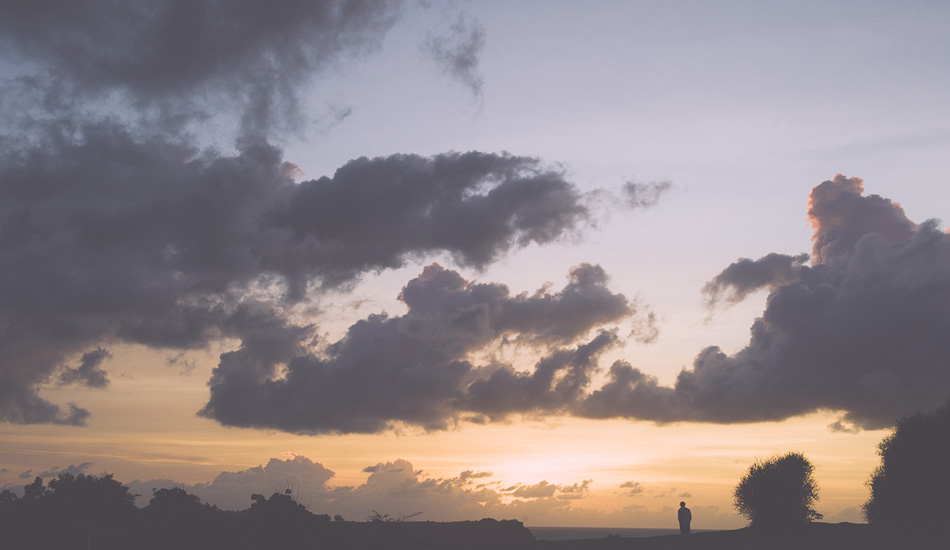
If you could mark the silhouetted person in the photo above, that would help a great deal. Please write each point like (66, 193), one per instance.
(685, 516)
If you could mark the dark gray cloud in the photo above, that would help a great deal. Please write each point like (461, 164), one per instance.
(180, 59)
(88, 372)
(473, 205)
(113, 237)
(861, 330)
(456, 51)
(842, 216)
(746, 276)
(555, 386)
(645, 194)
(116, 227)
(415, 369)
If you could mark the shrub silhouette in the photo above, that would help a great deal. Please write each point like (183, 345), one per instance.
(280, 507)
(909, 488)
(778, 493)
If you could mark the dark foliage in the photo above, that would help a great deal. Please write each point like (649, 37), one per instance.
(71, 512)
(778, 493)
(98, 512)
(909, 489)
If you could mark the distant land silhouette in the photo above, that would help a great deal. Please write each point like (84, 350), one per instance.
(98, 512)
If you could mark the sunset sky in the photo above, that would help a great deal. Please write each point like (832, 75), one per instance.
(564, 262)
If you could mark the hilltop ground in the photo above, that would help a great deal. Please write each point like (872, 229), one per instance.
(815, 536)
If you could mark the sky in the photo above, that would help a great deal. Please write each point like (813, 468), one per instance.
(568, 263)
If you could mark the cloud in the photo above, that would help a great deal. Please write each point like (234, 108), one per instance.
(392, 487)
(457, 50)
(72, 469)
(746, 276)
(182, 59)
(545, 490)
(860, 331)
(88, 372)
(374, 213)
(575, 491)
(113, 237)
(645, 194)
(397, 487)
(179, 360)
(118, 227)
(414, 369)
(633, 488)
(539, 490)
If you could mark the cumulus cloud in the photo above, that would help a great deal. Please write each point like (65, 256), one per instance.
(457, 52)
(394, 488)
(118, 227)
(415, 369)
(398, 488)
(860, 330)
(113, 237)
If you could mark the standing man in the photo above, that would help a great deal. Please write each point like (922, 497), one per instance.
(685, 516)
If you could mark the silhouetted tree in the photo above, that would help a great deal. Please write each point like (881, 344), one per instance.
(909, 488)
(173, 499)
(35, 490)
(778, 493)
(72, 512)
(7, 498)
(279, 507)
(175, 518)
(89, 505)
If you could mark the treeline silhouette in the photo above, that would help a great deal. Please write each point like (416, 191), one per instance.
(83, 511)
(909, 499)
(910, 490)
